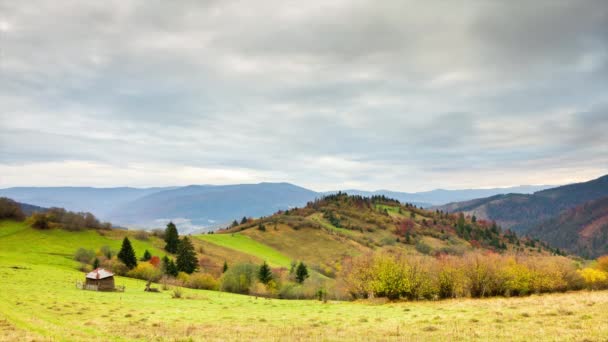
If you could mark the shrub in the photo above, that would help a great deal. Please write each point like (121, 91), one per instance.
(594, 279)
(145, 271)
(202, 281)
(239, 278)
(177, 293)
(141, 235)
(423, 247)
(85, 256)
(10, 209)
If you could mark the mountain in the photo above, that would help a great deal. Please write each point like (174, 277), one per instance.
(205, 205)
(99, 201)
(442, 196)
(29, 209)
(582, 230)
(521, 212)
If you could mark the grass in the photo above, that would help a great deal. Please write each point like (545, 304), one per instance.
(245, 244)
(38, 301)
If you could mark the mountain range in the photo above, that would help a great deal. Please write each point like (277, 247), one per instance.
(573, 217)
(203, 206)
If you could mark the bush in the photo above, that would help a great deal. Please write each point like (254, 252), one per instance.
(141, 235)
(202, 281)
(116, 266)
(85, 256)
(10, 209)
(423, 247)
(177, 293)
(145, 271)
(239, 278)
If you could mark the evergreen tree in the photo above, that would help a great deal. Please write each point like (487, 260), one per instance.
(147, 256)
(301, 273)
(235, 223)
(225, 268)
(244, 220)
(186, 256)
(171, 238)
(265, 273)
(169, 267)
(127, 254)
(95, 263)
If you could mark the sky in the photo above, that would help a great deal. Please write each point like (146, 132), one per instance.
(400, 95)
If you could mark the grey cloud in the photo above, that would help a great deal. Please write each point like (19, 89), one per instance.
(379, 94)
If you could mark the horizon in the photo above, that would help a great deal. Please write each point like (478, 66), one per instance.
(343, 96)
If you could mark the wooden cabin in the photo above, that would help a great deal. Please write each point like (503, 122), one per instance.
(100, 280)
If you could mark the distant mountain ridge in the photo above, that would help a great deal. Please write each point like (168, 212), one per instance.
(582, 230)
(521, 212)
(442, 196)
(202, 206)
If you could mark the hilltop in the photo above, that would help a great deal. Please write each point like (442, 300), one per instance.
(336, 226)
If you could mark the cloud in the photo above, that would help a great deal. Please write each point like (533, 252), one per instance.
(397, 94)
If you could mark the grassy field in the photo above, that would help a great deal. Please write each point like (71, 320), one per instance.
(245, 244)
(39, 302)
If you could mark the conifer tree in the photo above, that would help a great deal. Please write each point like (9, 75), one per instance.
(127, 254)
(147, 256)
(95, 263)
(265, 273)
(244, 220)
(301, 272)
(186, 256)
(171, 238)
(225, 268)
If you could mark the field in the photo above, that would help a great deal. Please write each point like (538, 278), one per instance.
(38, 301)
(247, 245)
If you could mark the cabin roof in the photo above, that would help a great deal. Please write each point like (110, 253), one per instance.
(99, 273)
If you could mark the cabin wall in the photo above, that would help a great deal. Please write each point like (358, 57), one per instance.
(102, 284)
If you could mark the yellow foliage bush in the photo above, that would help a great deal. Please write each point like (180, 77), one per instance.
(594, 279)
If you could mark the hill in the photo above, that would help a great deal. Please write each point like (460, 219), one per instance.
(521, 212)
(338, 226)
(38, 301)
(582, 230)
(203, 207)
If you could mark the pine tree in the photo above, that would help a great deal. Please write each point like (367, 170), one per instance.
(127, 254)
(147, 256)
(225, 268)
(235, 223)
(244, 220)
(301, 273)
(95, 264)
(169, 267)
(265, 273)
(186, 256)
(171, 238)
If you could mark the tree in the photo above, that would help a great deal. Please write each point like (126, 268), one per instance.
(127, 254)
(171, 238)
(225, 268)
(147, 256)
(186, 256)
(301, 272)
(265, 273)
(95, 263)
(40, 221)
(244, 220)
(235, 223)
(169, 267)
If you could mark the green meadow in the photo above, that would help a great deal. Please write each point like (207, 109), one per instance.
(39, 302)
(247, 245)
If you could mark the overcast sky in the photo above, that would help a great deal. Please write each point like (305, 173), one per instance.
(326, 94)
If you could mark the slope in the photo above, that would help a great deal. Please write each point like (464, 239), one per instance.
(582, 230)
(521, 212)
